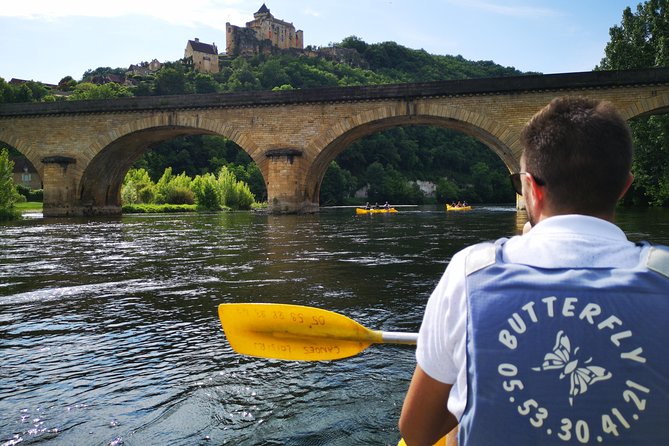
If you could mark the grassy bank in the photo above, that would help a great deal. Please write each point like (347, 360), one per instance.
(29, 206)
(158, 208)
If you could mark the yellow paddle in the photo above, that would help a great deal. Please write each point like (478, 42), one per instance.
(299, 333)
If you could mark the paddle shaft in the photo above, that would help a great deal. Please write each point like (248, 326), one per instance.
(399, 337)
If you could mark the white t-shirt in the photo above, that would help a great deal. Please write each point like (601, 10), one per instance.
(563, 241)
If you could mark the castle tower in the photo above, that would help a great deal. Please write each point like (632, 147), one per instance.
(264, 27)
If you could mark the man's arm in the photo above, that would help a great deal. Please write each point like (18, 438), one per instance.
(425, 417)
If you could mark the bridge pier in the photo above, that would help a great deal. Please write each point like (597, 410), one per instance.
(59, 186)
(285, 183)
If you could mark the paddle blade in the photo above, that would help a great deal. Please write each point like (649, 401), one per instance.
(293, 332)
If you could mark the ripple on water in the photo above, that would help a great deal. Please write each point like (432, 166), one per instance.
(109, 332)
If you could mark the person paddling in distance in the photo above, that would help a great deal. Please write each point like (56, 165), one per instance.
(557, 336)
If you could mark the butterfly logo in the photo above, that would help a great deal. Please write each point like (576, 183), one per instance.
(580, 376)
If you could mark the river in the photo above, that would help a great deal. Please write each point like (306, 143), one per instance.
(109, 333)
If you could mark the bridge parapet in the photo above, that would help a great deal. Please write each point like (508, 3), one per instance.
(501, 85)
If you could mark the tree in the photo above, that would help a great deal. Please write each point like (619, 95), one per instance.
(8, 194)
(336, 186)
(355, 43)
(205, 83)
(89, 91)
(67, 84)
(642, 41)
(171, 80)
(273, 75)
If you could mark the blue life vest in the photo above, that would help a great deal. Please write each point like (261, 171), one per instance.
(566, 356)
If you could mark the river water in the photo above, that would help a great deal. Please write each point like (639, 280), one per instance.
(109, 333)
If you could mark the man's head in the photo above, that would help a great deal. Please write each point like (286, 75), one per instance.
(579, 151)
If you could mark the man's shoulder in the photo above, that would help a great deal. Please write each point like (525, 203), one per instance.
(658, 259)
(480, 255)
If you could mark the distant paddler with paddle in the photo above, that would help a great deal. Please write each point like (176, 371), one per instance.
(558, 336)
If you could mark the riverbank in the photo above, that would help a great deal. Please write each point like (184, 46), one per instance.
(29, 206)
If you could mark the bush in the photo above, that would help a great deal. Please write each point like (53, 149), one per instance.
(179, 195)
(235, 194)
(137, 187)
(8, 193)
(227, 182)
(129, 194)
(244, 196)
(36, 195)
(207, 194)
(147, 194)
(30, 194)
(9, 214)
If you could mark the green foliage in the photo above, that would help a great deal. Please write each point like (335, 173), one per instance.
(460, 166)
(67, 84)
(30, 194)
(205, 83)
(157, 208)
(26, 92)
(642, 41)
(171, 80)
(447, 191)
(245, 198)
(227, 182)
(338, 184)
(171, 189)
(90, 91)
(137, 187)
(207, 192)
(8, 194)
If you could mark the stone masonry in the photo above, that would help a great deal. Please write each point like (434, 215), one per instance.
(82, 150)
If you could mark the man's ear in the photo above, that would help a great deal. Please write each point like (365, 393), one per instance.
(535, 198)
(628, 183)
(536, 190)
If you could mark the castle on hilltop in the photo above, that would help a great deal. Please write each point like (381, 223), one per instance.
(264, 34)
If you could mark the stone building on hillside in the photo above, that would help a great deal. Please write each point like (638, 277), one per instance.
(144, 68)
(204, 56)
(262, 35)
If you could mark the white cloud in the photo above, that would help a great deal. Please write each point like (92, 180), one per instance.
(212, 13)
(312, 12)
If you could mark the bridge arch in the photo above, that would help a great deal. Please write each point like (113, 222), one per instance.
(24, 148)
(658, 104)
(114, 153)
(495, 136)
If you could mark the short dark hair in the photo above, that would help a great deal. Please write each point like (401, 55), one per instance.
(581, 149)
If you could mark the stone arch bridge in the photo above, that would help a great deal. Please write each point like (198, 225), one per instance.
(83, 149)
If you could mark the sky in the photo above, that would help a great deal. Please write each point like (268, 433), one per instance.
(46, 40)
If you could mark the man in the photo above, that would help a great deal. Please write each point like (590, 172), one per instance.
(558, 336)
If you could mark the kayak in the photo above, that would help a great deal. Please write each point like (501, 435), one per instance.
(442, 442)
(361, 211)
(458, 208)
